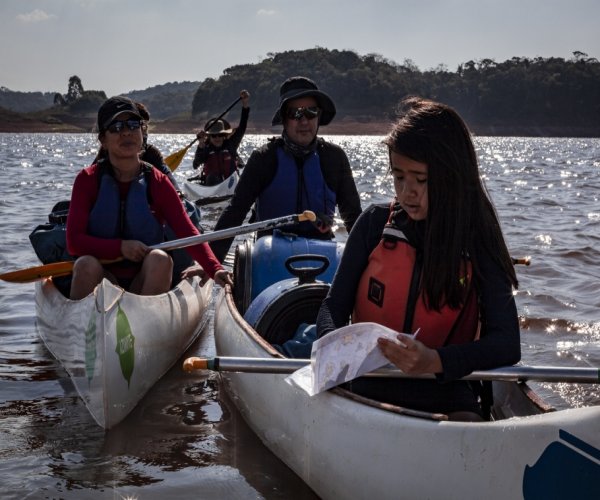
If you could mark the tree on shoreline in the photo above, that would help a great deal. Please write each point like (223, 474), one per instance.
(78, 100)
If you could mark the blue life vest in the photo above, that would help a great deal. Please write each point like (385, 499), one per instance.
(295, 189)
(129, 219)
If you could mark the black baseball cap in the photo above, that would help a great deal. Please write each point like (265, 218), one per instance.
(113, 107)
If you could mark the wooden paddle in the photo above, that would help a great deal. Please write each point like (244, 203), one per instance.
(66, 267)
(509, 373)
(173, 160)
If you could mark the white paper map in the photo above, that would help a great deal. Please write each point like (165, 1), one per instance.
(342, 355)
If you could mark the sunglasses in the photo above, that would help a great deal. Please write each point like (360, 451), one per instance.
(308, 112)
(116, 126)
(216, 136)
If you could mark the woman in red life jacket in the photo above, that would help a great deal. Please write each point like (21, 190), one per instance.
(433, 261)
(119, 208)
(218, 144)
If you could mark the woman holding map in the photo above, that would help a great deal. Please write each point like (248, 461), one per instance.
(434, 262)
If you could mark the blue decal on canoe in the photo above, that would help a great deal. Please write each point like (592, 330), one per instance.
(564, 472)
(90, 347)
(125, 345)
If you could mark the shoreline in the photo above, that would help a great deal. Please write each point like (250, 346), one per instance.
(342, 126)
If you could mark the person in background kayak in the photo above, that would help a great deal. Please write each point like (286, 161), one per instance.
(435, 262)
(297, 171)
(119, 207)
(218, 144)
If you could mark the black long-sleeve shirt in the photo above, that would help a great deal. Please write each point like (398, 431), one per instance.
(499, 344)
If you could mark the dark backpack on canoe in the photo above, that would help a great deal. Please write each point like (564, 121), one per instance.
(49, 240)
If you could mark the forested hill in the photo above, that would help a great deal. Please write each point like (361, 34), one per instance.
(540, 96)
(519, 96)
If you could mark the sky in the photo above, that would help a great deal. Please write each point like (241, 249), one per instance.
(124, 45)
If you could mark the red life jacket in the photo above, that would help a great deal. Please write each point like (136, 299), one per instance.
(388, 292)
(219, 163)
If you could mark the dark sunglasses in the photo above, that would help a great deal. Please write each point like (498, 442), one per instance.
(308, 112)
(118, 125)
(216, 136)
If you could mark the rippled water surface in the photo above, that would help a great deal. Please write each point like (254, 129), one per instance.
(185, 439)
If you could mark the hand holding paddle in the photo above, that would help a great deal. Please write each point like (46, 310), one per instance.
(66, 267)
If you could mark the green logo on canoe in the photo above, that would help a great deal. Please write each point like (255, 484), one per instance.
(90, 347)
(125, 344)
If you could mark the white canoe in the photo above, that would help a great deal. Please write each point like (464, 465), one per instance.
(203, 195)
(115, 345)
(346, 447)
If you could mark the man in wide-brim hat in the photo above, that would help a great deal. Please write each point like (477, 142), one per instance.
(297, 171)
(298, 87)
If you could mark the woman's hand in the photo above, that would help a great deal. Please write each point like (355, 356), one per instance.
(223, 278)
(410, 355)
(134, 250)
(195, 270)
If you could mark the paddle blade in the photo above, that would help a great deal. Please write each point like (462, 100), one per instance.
(173, 160)
(37, 273)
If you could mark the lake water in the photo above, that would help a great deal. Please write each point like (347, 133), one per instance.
(185, 439)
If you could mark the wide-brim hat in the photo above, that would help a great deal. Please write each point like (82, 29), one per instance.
(113, 107)
(300, 86)
(216, 127)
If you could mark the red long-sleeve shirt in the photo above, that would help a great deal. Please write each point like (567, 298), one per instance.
(166, 207)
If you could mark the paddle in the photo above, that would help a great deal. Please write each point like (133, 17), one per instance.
(66, 267)
(173, 160)
(508, 373)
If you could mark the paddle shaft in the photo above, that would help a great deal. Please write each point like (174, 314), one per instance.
(224, 112)
(66, 267)
(508, 373)
(235, 231)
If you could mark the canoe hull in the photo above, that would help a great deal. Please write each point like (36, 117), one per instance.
(203, 195)
(115, 345)
(344, 448)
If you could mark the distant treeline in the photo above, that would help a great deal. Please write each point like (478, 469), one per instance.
(24, 102)
(520, 93)
(539, 96)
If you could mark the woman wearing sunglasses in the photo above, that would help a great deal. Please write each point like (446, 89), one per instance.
(218, 144)
(297, 171)
(150, 153)
(119, 207)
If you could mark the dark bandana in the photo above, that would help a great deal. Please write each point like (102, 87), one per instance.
(296, 150)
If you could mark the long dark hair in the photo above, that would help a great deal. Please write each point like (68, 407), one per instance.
(461, 219)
